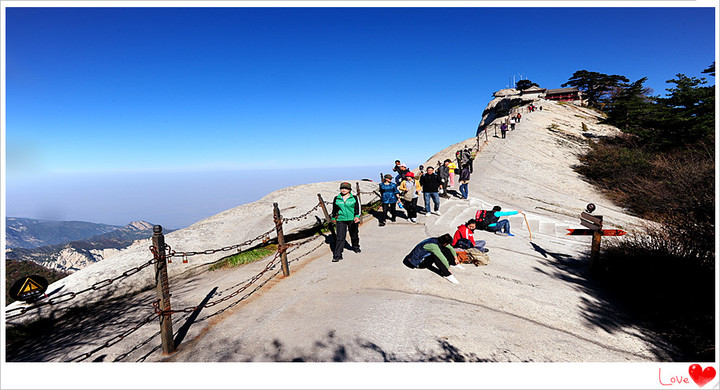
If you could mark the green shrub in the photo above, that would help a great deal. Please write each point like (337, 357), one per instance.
(245, 257)
(665, 286)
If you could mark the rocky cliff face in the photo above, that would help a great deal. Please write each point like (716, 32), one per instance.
(504, 100)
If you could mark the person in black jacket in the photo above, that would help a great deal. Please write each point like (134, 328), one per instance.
(431, 184)
(464, 180)
(444, 173)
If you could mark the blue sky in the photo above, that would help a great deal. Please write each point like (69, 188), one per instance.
(100, 99)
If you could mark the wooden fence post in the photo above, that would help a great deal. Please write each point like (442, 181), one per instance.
(327, 215)
(281, 240)
(163, 291)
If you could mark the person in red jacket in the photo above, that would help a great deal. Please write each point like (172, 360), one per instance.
(464, 234)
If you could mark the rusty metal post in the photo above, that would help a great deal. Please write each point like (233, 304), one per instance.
(163, 291)
(281, 239)
(327, 215)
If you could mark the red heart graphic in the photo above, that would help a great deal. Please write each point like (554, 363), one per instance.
(700, 376)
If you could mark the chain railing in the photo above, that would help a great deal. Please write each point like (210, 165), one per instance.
(116, 339)
(191, 309)
(71, 295)
(172, 253)
(165, 255)
(156, 313)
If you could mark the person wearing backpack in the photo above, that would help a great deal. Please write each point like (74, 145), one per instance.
(434, 253)
(388, 196)
(346, 217)
(409, 190)
(464, 237)
(490, 220)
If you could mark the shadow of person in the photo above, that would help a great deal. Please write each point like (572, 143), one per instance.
(554, 255)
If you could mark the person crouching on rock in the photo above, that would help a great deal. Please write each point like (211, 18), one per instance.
(389, 196)
(465, 237)
(436, 254)
(346, 216)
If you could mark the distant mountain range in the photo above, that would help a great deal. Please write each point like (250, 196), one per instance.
(70, 255)
(32, 233)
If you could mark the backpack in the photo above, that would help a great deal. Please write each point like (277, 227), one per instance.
(481, 218)
(474, 256)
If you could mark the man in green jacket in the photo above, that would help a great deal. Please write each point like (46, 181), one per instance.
(346, 216)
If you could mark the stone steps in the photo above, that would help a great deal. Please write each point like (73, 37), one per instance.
(455, 212)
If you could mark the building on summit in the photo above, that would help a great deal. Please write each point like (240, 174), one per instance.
(563, 94)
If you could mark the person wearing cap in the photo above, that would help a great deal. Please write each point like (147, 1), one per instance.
(409, 190)
(346, 217)
(431, 184)
(389, 195)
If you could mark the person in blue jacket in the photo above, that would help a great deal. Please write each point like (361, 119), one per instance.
(437, 252)
(389, 194)
(493, 223)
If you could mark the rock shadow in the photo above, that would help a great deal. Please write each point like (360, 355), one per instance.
(332, 348)
(605, 310)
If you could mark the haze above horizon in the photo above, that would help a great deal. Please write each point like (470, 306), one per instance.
(106, 105)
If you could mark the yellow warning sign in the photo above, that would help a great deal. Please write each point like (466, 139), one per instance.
(29, 286)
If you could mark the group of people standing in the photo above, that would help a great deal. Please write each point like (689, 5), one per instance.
(406, 188)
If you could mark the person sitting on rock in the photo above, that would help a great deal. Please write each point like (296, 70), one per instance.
(389, 196)
(436, 254)
(464, 237)
(492, 222)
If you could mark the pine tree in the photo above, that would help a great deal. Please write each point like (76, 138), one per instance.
(595, 86)
(525, 84)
